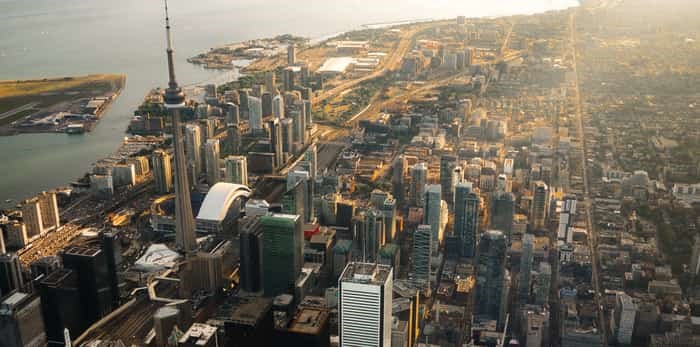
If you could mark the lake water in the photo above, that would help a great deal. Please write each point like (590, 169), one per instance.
(49, 38)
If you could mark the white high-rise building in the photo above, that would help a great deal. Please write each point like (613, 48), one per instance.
(237, 170)
(278, 106)
(213, 170)
(364, 315)
(508, 165)
(432, 211)
(193, 151)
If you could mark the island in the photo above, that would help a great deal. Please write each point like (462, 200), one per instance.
(68, 104)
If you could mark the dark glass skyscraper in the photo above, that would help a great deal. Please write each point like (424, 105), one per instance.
(466, 218)
(90, 264)
(502, 211)
(447, 165)
(251, 255)
(10, 274)
(526, 268)
(491, 276)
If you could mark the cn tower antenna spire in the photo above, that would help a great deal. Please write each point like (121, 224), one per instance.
(174, 98)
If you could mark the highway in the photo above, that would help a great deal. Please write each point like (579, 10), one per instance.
(592, 239)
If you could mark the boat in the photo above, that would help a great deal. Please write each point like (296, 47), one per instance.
(8, 201)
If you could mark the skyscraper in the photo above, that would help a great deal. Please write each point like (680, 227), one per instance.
(299, 128)
(432, 210)
(625, 316)
(237, 170)
(276, 142)
(90, 264)
(294, 199)
(540, 205)
(457, 178)
(364, 306)
(288, 77)
(311, 160)
(526, 257)
(162, 172)
(233, 137)
(10, 274)
(307, 110)
(288, 148)
(502, 212)
(397, 179)
(304, 179)
(422, 246)
(543, 282)
(270, 84)
(251, 243)
(110, 245)
(389, 211)
(243, 95)
(174, 101)
(491, 275)
(291, 54)
(213, 153)
(278, 106)
(695, 256)
(233, 114)
(3, 250)
(49, 210)
(193, 150)
(466, 221)
(447, 164)
(372, 237)
(266, 99)
(283, 242)
(21, 323)
(419, 178)
(61, 306)
(31, 216)
(255, 114)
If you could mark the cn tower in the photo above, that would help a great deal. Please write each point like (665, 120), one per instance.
(174, 101)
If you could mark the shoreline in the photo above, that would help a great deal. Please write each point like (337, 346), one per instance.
(312, 41)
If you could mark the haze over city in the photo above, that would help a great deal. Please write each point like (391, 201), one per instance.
(349, 173)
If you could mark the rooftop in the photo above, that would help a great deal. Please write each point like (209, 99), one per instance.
(309, 321)
(219, 199)
(336, 64)
(251, 311)
(368, 273)
(200, 333)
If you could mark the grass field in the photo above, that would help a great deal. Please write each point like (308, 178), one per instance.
(30, 87)
(16, 116)
(51, 91)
